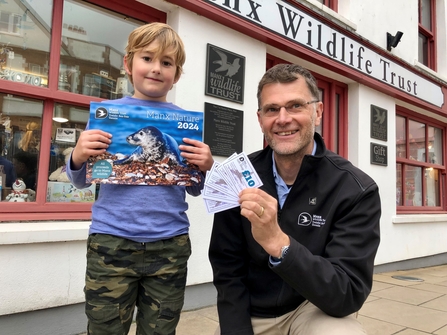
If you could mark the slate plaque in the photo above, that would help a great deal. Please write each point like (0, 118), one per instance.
(379, 123)
(224, 74)
(223, 129)
(379, 154)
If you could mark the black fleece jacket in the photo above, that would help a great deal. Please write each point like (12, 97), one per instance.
(331, 215)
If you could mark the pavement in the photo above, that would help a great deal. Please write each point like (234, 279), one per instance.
(411, 302)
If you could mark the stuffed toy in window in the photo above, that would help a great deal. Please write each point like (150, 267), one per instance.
(61, 173)
(18, 193)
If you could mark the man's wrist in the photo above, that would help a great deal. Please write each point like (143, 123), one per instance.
(283, 253)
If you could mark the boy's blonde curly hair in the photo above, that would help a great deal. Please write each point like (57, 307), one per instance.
(167, 37)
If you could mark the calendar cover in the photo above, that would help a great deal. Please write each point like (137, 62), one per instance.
(144, 148)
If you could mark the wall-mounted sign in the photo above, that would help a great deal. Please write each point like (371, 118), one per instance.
(224, 74)
(223, 129)
(66, 135)
(286, 20)
(379, 154)
(379, 123)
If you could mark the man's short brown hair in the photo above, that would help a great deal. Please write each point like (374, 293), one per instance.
(287, 73)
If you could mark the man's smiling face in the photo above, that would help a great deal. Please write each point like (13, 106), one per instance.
(289, 133)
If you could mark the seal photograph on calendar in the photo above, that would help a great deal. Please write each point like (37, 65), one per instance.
(144, 148)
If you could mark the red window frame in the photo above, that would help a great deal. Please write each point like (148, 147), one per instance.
(41, 209)
(430, 34)
(335, 95)
(409, 161)
(332, 4)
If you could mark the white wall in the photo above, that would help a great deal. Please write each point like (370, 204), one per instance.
(375, 18)
(189, 94)
(42, 265)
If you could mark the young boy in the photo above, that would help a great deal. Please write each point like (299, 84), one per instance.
(138, 244)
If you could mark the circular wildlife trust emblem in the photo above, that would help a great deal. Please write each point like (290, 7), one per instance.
(304, 219)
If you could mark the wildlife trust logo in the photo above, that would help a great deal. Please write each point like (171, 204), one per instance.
(225, 74)
(306, 219)
(379, 123)
(101, 113)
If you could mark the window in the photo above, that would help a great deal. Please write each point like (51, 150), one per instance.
(332, 4)
(420, 164)
(25, 43)
(10, 23)
(92, 57)
(333, 94)
(44, 99)
(427, 33)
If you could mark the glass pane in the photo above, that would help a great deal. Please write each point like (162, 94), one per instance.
(426, 13)
(336, 124)
(68, 123)
(401, 138)
(435, 145)
(413, 186)
(319, 129)
(423, 50)
(25, 29)
(417, 140)
(399, 184)
(91, 56)
(20, 134)
(432, 184)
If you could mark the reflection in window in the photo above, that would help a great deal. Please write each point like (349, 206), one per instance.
(432, 184)
(427, 32)
(423, 49)
(419, 169)
(319, 128)
(401, 139)
(25, 29)
(435, 145)
(336, 120)
(91, 56)
(417, 140)
(399, 184)
(413, 186)
(425, 8)
(68, 123)
(20, 135)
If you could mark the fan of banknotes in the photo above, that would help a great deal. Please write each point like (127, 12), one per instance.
(225, 180)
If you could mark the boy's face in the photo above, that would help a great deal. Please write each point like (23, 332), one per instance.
(152, 77)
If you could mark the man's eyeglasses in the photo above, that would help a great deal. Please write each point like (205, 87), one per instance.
(292, 108)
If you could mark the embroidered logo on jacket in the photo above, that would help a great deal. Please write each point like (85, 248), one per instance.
(306, 219)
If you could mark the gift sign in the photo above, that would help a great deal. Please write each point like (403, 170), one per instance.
(144, 148)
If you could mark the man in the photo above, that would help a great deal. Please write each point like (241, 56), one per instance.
(297, 256)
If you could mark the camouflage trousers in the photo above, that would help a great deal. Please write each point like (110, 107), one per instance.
(122, 274)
